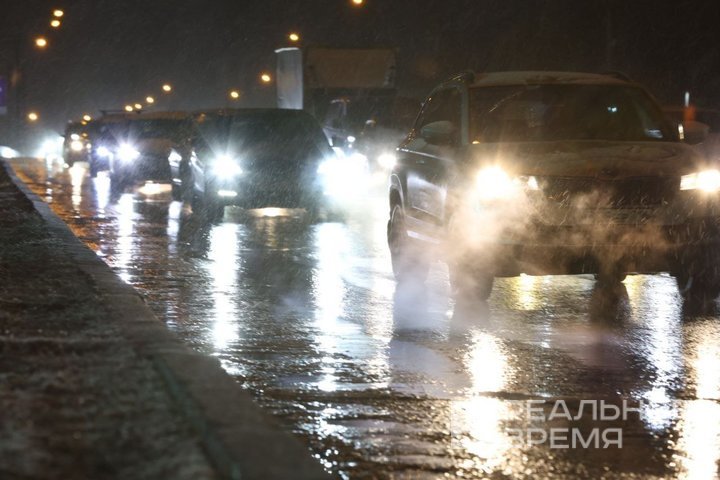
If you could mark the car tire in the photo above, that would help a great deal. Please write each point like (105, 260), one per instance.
(698, 288)
(470, 282)
(177, 193)
(408, 261)
(211, 210)
(118, 183)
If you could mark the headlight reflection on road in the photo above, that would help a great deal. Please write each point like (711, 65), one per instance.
(329, 290)
(699, 420)
(652, 299)
(223, 271)
(477, 421)
(77, 177)
(126, 238)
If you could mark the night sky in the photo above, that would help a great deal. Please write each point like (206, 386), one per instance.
(112, 52)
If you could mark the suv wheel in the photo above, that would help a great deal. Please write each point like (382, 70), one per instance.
(470, 282)
(703, 288)
(408, 263)
(210, 209)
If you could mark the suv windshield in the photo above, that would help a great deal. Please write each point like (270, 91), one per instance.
(270, 133)
(156, 128)
(527, 113)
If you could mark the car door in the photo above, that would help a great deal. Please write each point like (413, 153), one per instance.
(429, 159)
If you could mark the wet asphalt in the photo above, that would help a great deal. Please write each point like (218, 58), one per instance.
(382, 381)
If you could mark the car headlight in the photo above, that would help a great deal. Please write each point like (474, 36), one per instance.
(127, 153)
(707, 180)
(225, 166)
(174, 157)
(387, 160)
(494, 183)
(104, 152)
(76, 146)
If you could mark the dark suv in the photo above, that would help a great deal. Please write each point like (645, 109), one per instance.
(551, 173)
(257, 159)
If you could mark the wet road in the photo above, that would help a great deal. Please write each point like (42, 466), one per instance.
(383, 382)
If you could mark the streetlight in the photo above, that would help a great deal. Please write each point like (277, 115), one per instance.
(358, 3)
(87, 117)
(294, 37)
(265, 78)
(55, 23)
(234, 94)
(138, 106)
(58, 13)
(33, 117)
(41, 42)
(150, 100)
(129, 108)
(167, 88)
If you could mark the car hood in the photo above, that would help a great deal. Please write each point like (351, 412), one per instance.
(589, 159)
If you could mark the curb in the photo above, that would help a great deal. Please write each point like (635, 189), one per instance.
(240, 440)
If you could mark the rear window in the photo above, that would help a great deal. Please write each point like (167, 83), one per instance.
(527, 113)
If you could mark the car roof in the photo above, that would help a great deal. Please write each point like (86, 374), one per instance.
(270, 112)
(544, 78)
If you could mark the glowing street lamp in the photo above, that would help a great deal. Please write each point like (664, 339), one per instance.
(41, 42)
(294, 37)
(33, 117)
(358, 3)
(55, 23)
(87, 117)
(265, 78)
(150, 100)
(167, 88)
(129, 108)
(138, 106)
(57, 13)
(234, 94)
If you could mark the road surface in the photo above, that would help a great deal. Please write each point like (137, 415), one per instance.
(381, 381)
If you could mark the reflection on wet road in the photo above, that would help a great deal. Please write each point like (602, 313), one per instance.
(387, 382)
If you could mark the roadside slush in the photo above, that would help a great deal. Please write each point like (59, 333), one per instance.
(94, 386)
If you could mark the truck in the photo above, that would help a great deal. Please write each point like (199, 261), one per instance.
(352, 93)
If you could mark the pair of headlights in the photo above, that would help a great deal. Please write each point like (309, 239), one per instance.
(494, 183)
(124, 152)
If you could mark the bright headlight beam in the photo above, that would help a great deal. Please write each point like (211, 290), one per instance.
(387, 161)
(104, 152)
(493, 183)
(127, 153)
(707, 181)
(76, 146)
(226, 166)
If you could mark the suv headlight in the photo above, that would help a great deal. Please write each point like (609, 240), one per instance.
(225, 166)
(707, 180)
(77, 146)
(127, 153)
(494, 183)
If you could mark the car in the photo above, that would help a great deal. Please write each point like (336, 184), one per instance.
(545, 173)
(76, 145)
(258, 158)
(103, 135)
(142, 145)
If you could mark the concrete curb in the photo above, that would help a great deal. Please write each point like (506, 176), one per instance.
(239, 438)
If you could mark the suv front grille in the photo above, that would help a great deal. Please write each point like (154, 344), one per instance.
(585, 192)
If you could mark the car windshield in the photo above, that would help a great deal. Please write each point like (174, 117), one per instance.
(527, 113)
(165, 128)
(269, 134)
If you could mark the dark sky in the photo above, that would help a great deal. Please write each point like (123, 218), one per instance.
(112, 52)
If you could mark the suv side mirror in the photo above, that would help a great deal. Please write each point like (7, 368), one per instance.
(695, 132)
(441, 132)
